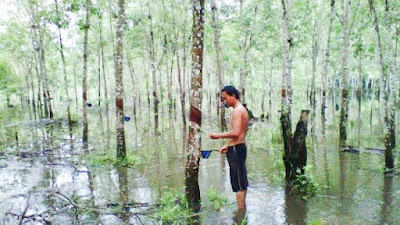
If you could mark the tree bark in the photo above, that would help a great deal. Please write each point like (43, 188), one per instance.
(325, 67)
(76, 89)
(359, 90)
(315, 49)
(136, 92)
(286, 95)
(286, 121)
(66, 83)
(384, 95)
(217, 46)
(119, 93)
(270, 90)
(245, 43)
(84, 77)
(390, 137)
(193, 154)
(182, 96)
(103, 63)
(153, 72)
(345, 71)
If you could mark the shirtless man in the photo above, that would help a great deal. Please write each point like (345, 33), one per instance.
(236, 147)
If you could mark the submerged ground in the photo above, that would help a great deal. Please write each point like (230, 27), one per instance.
(47, 177)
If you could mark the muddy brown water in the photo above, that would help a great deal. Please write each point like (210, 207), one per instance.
(47, 177)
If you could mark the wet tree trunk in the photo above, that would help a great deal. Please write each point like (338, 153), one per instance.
(345, 71)
(84, 77)
(111, 15)
(295, 157)
(359, 90)
(35, 53)
(39, 98)
(119, 93)
(103, 68)
(182, 96)
(135, 93)
(390, 138)
(389, 142)
(193, 154)
(243, 69)
(217, 46)
(315, 49)
(286, 93)
(99, 79)
(75, 89)
(42, 70)
(264, 93)
(25, 97)
(66, 84)
(270, 90)
(32, 86)
(286, 80)
(325, 67)
(245, 42)
(153, 72)
(103, 63)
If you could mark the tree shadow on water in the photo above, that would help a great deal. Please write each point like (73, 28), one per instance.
(295, 208)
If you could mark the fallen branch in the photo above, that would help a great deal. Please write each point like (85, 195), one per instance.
(390, 171)
(26, 208)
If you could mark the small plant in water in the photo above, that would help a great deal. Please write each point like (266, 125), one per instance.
(174, 208)
(217, 200)
(305, 186)
(100, 160)
(317, 222)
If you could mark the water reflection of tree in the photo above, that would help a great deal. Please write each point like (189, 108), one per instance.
(387, 197)
(123, 193)
(295, 208)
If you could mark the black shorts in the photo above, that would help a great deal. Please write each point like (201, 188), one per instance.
(237, 167)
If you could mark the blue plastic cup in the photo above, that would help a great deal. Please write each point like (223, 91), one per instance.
(127, 118)
(206, 153)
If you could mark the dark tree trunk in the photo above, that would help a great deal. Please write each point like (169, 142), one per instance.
(295, 157)
(295, 150)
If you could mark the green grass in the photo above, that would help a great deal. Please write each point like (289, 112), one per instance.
(107, 159)
(217, 201)
(316, 222)
(173, 209)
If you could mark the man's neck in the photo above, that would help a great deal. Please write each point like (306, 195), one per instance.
(236, 104)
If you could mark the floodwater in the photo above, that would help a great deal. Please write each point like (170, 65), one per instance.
(46, 177)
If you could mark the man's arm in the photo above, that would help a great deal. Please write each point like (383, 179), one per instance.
(236, 127)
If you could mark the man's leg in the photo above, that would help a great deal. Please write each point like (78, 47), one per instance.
(241, 199)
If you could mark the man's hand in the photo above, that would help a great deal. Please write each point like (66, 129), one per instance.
(223, 149)
(214, 135)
